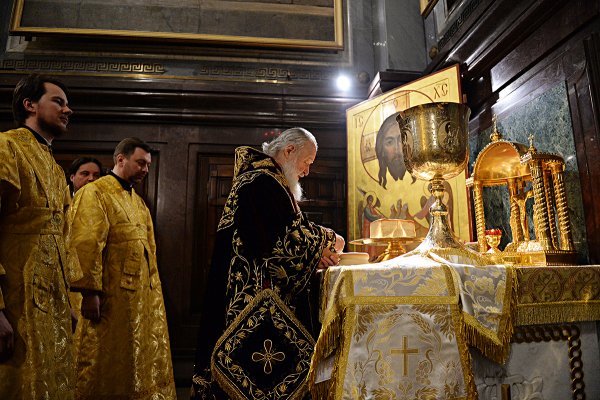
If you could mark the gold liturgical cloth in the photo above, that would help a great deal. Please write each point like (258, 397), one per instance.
(396, 330)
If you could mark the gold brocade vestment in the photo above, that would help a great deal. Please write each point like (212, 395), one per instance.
(33, 295)
(127, 353)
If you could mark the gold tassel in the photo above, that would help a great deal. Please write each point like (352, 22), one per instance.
(324, 293)
(321, 391)
(329, 340)
(465, 356)
(484, 340)
(553, 313)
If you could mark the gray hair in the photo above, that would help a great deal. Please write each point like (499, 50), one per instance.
(296, 136)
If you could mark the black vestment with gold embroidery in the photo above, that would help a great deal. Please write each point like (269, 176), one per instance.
(257, 306)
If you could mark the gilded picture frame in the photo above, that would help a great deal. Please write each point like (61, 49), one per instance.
(316, 25)
(378, 184)
(426, 6)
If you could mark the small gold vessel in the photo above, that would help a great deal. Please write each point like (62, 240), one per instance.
(493, 237)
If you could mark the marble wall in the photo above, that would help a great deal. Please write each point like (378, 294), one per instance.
(547, 117)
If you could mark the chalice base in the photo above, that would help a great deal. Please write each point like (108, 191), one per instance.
(442, 241)
(440, 236)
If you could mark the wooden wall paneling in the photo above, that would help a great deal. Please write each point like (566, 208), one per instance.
(196, 101)
(195, 243)
(487, 73)
(481, 39)
(584, 100)
(215, 174)
(541, 43)
(325, 194)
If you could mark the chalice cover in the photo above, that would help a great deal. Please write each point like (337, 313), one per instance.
(265, 353)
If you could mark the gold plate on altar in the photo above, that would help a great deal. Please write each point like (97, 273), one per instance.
(394, 245)
(384, 241)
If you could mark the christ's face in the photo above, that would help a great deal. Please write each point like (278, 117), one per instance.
(392, 152)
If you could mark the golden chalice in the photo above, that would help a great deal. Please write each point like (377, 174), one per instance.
(435, 146)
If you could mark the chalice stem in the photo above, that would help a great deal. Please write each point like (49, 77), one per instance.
(437, 190)
(440, 235)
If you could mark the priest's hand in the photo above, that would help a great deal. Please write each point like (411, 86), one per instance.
(329, 259)
(7, 338)
(331, 256)
(90, 306)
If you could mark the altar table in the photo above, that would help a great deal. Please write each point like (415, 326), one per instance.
(423, 328)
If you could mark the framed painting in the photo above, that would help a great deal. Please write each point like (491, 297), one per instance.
(315, 24)
(378, 184)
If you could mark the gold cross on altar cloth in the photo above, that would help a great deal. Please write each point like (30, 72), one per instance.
(406, 352)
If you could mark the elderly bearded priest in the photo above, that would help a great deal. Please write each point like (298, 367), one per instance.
(266, 252)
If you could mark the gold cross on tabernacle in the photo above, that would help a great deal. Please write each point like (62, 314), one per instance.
(405, 351)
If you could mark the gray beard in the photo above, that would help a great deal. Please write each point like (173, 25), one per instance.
(292, 177)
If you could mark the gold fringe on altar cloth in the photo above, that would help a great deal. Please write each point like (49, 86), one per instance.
(553, 313)
(330, 338)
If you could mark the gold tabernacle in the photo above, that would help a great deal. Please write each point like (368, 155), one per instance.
(515, 165)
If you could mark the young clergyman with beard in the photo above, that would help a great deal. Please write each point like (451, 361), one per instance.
(264, 245)
(123, 349)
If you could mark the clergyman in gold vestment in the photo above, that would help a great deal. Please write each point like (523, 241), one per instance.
(122, 340)
(36, 359)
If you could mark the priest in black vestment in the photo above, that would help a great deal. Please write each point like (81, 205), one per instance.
(255, 341)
